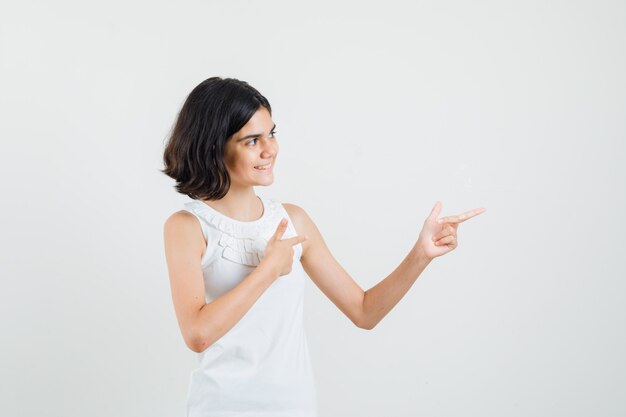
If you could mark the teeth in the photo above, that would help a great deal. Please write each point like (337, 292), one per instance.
(263, 166)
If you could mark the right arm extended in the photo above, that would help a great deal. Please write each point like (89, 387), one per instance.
(202, 324)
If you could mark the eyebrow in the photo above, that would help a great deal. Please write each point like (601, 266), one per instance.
(254, 135)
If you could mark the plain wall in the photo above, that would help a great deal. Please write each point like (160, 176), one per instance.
(382, 108)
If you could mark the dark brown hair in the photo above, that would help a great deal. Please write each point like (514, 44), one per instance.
(194, 156)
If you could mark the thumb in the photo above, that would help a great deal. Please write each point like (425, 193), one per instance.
(435, 211)
(280, 229)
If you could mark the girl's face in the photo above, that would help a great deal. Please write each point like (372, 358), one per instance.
(250, 154)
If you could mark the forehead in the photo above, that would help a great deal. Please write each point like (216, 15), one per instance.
(260, 122)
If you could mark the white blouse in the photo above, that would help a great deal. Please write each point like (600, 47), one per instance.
(260, 367)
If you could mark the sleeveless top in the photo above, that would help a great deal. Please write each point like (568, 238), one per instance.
(260, 367)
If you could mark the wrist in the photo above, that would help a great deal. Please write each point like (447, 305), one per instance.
(269, 268)
(419, 256)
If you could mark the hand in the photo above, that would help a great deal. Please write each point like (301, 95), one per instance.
(438, 237)
(279, 253)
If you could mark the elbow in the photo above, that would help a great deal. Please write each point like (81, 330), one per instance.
(364, 324)
(197, 338)
(197, 342)
(197, 347)
(363, 320)
(194, 344)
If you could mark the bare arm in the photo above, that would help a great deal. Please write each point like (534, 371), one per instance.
(202, 324)
(367, 308)
(220, 315)
(382, 297)
(364, 308)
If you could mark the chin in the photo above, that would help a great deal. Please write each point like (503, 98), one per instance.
(269, 180)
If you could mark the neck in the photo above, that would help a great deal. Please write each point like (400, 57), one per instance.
(239, 203)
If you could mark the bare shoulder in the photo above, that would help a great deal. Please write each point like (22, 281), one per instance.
(299, 217)
(183, 229)
(304, 225)
(182, 219)
(179, 216)
(294, 211)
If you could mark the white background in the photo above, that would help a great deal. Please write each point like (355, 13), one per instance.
(381, 109)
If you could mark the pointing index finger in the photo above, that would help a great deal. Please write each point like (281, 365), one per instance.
(298, 239)
(460, 218)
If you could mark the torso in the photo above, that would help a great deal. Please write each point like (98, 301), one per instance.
(261, 363)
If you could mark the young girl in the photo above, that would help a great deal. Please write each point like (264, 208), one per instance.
(238, 262)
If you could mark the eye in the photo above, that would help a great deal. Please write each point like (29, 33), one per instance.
(272, 133)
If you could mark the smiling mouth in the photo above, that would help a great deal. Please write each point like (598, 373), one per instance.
(264, 167)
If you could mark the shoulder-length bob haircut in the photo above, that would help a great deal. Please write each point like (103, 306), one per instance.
(194, 156)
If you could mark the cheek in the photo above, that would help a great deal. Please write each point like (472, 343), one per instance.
(242, 161)
(228, 162)
(232, 165)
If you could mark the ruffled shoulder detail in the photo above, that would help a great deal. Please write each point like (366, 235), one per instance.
(240, 242)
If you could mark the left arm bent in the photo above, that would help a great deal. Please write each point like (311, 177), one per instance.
(367, 308)
(364, 308)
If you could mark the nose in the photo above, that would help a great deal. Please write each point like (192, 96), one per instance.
(270, 149)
